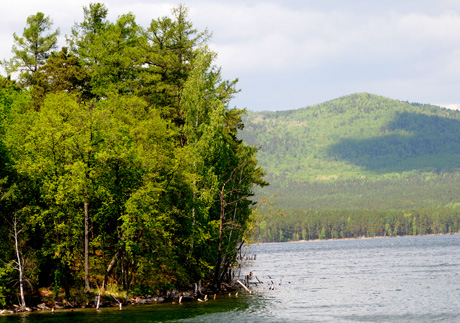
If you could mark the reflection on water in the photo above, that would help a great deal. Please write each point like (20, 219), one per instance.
(166, 312)
(411, 279)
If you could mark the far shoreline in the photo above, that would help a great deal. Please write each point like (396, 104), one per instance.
(359, 238)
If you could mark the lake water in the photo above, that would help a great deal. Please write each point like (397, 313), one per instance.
(407, 279)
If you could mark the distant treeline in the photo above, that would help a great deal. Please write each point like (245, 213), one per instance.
(314, 224)
(407, 191)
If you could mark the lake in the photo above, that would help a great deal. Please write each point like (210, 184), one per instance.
(404, 279)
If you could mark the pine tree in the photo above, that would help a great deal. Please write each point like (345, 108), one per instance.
(32, 49)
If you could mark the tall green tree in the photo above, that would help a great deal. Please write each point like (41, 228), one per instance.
(112, 56)
(136, 159)
(86, 32)
(227, 168)
(63, 71)
(32, 49)
(110, 51)
(17, 199)
(170, 48)
(59, 153)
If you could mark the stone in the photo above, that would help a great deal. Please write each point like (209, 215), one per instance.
(42, 306)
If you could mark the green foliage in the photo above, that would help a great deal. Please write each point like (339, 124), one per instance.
(33, 48)
(328, 224)
(172, 45)
(63, 71)
(354, 136)
(7, 295)
(360, 152)
(124, 153)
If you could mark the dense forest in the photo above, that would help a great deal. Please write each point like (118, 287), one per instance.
(360, 165)
(120, 165)
(325, 224)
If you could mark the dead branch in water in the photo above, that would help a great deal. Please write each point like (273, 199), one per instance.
(247, 289)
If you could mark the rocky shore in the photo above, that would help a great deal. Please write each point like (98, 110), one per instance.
(197, 294)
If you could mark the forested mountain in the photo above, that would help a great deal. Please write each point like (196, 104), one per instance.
(359, 153)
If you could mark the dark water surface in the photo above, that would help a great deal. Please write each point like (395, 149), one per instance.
(408, 279)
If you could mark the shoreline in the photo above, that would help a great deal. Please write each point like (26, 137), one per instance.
(35, 309)
(175, 297)
(363, 237)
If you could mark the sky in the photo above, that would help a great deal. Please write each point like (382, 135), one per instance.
(289, 54)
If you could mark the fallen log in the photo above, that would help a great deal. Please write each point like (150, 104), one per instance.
(247, 289)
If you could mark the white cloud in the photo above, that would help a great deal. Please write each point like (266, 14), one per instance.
(389, 48)
(270, 36)
(450, 106)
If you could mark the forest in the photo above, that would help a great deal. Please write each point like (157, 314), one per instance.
(120, 165)
(359, 165)
(296, 225)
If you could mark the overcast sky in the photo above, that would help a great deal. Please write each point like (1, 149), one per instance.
(289, 54)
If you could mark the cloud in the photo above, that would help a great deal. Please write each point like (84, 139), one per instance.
(268, 35)
(389, 53)
(296, 52)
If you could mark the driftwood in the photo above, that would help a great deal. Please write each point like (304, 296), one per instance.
(98, 300)
(110, 268)
(247, 289)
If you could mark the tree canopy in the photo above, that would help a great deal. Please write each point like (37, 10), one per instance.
(120, 159)
(32, 49)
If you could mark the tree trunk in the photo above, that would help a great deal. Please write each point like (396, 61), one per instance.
(87, 286)
(109, 269)
(66, 282)
(219, 248)
(228, 262)
(123, 272)
(21, 281)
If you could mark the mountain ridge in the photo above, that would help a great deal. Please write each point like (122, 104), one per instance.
(359, 138)
(359, 165)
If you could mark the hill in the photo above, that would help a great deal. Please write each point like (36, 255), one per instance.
(360, 152)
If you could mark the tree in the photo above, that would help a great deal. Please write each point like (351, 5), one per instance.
(110, 51)
(227, 168)
(130, 150)
(13, 202)
(84, 34)
(32, 49)
(170, 47)
(17, 229)
(58, 152)
(63, 71)
(138, 159)
(94, 22)
(20, 257)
